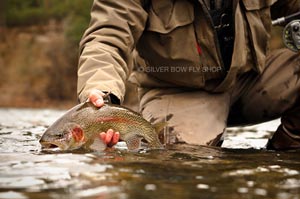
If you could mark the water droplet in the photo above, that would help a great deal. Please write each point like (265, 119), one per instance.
(262, 169)
(202, 186)
(250, 183)
(260, 192)
(243, 190)
(274, 167)
(199, 177)
(150, 187)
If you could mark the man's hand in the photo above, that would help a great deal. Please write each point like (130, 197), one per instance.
(96, 97)
(110, 137)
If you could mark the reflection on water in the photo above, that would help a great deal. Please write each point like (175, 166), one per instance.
(182, 171)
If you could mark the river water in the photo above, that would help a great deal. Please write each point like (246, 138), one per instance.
(242, 168)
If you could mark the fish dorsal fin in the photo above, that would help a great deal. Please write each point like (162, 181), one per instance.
(134, 142)
(83, 105)
(97, 145)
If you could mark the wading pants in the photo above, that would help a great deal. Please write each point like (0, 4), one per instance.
(200, 117)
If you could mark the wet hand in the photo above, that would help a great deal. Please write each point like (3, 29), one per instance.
(110, 138)
(96, 97)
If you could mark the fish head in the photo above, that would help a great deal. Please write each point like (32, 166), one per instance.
(64, 136)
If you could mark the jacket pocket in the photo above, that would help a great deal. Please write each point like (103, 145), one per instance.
(168, 44)
(257, 4)
(167, 15)
(258, 16)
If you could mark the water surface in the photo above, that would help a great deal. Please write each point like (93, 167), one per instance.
(241, 169)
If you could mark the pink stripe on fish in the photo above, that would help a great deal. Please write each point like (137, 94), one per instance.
(115, 119)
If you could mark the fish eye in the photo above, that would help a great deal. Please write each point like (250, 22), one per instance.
(60, 135)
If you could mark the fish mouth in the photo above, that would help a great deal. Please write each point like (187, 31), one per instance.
(49, 146)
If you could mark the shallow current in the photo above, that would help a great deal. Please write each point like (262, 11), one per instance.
(242, 168)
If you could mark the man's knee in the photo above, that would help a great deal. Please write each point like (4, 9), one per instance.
(197, 117)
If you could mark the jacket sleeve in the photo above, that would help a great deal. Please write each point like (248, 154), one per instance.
(106, 46)
(284, 7)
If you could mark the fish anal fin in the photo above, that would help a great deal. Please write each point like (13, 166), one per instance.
(97, 145)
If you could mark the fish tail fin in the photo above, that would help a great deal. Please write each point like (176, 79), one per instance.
(159, 126)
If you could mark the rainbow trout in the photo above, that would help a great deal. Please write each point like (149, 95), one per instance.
(79, 128)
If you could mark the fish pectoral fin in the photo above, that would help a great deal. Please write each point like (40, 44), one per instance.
(134, 143)
(97, 145)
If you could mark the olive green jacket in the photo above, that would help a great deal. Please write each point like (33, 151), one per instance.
(177, 42)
